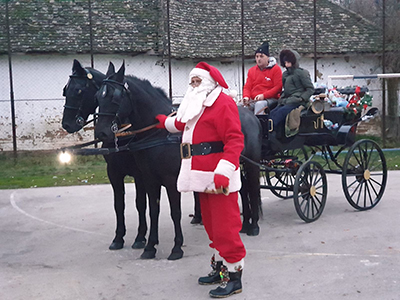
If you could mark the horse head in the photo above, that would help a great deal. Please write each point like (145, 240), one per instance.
(109, 99)
(121, 97)
(79, 95)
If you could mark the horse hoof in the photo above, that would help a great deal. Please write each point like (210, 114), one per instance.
(245, 228)
(253, 231)
(116, 246)
(196, 220)
(138, 244)
(148, 254)
(175, 255)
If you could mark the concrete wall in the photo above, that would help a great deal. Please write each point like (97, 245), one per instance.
(38, 82)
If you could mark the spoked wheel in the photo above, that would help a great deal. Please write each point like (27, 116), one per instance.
(310, 190)
(364, 175)
(284, 181)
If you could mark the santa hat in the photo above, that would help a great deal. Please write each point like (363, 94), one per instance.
(204, 70)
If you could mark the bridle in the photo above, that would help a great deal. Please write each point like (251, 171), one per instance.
(116, 98)
(89, 81)
(115, 124)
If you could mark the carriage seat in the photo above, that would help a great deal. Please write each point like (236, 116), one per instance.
(312, 122)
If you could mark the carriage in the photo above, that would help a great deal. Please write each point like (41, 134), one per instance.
(325, 143)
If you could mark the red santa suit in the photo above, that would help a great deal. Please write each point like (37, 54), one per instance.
(217, 121)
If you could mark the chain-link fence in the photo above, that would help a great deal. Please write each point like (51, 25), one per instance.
(40, 39)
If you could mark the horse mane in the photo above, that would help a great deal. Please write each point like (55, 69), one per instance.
(144, 87)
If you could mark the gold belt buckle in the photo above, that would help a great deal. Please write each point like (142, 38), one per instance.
(189, 151)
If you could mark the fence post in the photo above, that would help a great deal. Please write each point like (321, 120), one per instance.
(11, 81)
(383, 71)
(169, 52)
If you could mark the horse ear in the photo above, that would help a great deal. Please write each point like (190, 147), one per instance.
(111, 69)
(121, 73)
(77, 68)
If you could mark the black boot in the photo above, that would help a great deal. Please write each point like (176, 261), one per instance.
(214, 276)
(231, 284)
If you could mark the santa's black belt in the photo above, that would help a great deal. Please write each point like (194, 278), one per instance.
(189, 150)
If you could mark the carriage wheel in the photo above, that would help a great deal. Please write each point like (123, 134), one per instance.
(279, 179)
(310, 190)
(364, 175)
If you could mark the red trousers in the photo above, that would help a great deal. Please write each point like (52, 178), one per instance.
(221, 219)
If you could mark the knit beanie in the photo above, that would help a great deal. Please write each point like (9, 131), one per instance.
(264, 48)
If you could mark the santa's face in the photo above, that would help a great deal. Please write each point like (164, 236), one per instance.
(196, 94)
(195, 81)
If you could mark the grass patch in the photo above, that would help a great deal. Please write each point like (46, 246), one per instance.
(43, 169)
(31, 169)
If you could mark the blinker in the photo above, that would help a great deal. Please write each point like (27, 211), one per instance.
(80, 121)
(104, 92)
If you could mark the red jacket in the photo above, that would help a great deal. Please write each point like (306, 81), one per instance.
(218, 121)
(267, 82)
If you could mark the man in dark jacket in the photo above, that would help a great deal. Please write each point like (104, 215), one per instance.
(297, 87)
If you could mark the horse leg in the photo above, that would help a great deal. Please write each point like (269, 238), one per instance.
(154, 203)
(253, 187)
(245, 203)
(197, 210)
(117, 183)
(174, 198)
(140, 240)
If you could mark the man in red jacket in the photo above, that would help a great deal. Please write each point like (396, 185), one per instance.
(212, 141)
(264, 82)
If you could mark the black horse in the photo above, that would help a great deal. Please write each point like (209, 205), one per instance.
(79, 104)
(156, 152)
(123, 95)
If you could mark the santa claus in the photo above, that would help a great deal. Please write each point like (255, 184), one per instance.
(212, 141)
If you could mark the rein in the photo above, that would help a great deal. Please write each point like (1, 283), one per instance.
(121, 133)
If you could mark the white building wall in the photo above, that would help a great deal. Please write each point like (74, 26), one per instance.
(38, 82)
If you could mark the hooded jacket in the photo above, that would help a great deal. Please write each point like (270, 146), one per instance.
(267, 81)
(297, 85)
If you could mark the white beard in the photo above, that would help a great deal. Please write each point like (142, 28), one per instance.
(192, 103)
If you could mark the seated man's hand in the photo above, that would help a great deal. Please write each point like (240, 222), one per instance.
(246, 101)
(259, 97)
(161, 119)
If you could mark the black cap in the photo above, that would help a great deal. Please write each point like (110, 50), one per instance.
(264, 48)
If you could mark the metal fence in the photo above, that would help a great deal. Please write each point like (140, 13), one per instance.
(31, 113)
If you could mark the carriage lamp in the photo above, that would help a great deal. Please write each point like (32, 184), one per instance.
(64, 157)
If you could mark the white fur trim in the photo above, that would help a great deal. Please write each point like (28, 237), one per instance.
(213, 96)
(217, 257)
(200, 73)
(198, 181)
(170, 124)
(225, 168)
(233, 93)
(232, 267)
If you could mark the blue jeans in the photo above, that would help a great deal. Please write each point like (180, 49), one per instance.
(278, 114)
